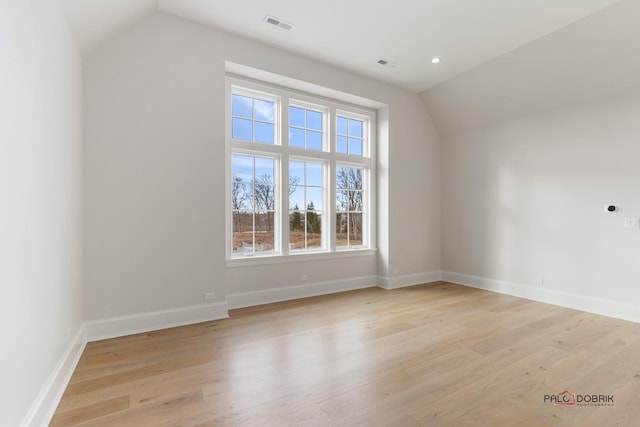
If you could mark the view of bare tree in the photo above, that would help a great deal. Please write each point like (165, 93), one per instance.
(240, 195)
(349, 203)
(253, 205)
(247, 199)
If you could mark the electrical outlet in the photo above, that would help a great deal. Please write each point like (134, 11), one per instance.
(208, 296)
(304, 278)
(538, 282)
(631, 222)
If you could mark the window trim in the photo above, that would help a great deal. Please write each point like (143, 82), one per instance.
(282, 152)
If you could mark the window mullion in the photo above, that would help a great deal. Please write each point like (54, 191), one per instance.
(331, 215)
(284, 175)
(330, 182)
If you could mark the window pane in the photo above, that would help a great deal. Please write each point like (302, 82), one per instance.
(314, 240)
(314, 174)
(296, 198)
(296, 117)
(314, 198)
(241, 196)
(264, 132)
(242, 232)
(355, 229)
(341, 144)
(296, 137)
(354, 201)
(355, 179)
(296, 230)
(241, 106)
(264, 189)
(296, 220)
(243, 223)
(341, 125)
(241, 129)
(264, 195)
(314, 229)
(314, 140)
(314, 120)
(342, 177)
(296, 172)
(355, 147)
(264, 170)
(342, 229)
(355, 128)
(264, 234)
(242, 167)
(264, 110)
(342, 201)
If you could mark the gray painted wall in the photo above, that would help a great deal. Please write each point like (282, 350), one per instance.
(154, 159)
(41, 201)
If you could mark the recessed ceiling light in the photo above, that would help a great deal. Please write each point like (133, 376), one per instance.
(435, 60)
(278, 22)
(387, 63)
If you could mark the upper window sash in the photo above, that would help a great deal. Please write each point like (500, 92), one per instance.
(307, 127)
(255, 116)
(353, 134)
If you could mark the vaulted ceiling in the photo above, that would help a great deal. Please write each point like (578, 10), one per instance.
(355, 34)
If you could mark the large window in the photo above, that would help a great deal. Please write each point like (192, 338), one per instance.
(300, 173)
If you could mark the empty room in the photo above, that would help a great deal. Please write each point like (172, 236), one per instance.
(282, 213)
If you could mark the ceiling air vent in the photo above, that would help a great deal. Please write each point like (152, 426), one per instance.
(278, 22)
(387, 63)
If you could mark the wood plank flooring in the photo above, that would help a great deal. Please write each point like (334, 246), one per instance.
(429, 355)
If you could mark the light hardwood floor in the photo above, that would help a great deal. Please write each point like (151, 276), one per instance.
(429, 355)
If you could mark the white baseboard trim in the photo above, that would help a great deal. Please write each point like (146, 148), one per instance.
(154, 320)
(268, 296)
(615, 309)
(408, 280)
(47, 401)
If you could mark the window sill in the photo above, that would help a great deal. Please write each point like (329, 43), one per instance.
(251, 261)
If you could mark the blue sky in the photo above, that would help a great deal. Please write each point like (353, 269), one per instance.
(253, 120)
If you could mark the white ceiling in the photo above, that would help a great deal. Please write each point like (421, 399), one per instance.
(354, 34)
(592, 59)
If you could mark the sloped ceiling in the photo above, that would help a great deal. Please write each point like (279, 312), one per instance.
(593, 58)
(354, 34)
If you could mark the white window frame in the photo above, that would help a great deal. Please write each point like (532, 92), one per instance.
(282, 153)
